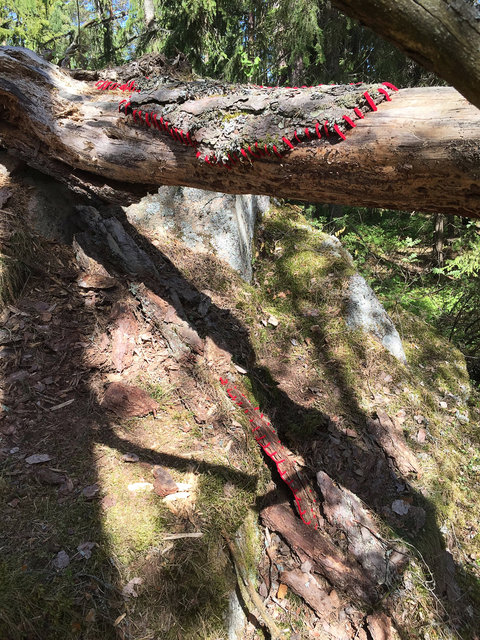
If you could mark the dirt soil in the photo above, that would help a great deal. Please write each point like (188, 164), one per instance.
(104, 410)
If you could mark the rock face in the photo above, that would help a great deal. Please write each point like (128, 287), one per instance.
(204, 220)
(363, 309)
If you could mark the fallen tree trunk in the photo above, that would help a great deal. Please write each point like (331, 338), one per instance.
(421, 150)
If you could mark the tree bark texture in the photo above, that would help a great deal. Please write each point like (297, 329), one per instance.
(439, 236)
(444, 37)
(418, 151)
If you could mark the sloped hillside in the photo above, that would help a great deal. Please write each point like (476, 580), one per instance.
(136, 501)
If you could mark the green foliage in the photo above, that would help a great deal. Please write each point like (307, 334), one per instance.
(267, 42)
(394, 251)
(466, 263)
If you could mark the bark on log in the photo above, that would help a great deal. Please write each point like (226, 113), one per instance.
(344, 573)
(306, 586)
(442, 36)
(420, 151)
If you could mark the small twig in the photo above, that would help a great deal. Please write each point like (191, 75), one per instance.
(106, 585)
(180, 536)
(249, 594)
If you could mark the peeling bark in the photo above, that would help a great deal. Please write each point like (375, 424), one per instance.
(343, 573)
(306, 586)
(419, 151)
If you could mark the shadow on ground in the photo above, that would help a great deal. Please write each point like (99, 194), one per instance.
(46, 365)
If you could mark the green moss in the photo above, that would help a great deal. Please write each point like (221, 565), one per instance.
(224, 505)
(227, 116)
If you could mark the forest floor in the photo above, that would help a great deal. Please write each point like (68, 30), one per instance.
(91, 545)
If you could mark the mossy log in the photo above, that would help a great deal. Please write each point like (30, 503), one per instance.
(414, 149)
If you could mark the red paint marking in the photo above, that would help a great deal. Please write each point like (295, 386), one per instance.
(258, 150)
(349, 121)
(370, 101)
(385, 93)
(390, 86)
(255, 151)
(335, 126)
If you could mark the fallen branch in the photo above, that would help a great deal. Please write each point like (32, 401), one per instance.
(250, 596)
(341, 571)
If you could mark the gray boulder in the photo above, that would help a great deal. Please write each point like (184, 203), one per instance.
(363, 310)
(204, 220)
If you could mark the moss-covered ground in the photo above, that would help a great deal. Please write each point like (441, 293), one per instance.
(314, 377)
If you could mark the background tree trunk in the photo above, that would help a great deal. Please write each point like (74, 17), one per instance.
(419, 151)
(149, 11)
(444, 37)
(439, 240)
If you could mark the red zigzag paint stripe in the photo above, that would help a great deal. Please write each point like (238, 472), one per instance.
(288, 469)
(252, 152)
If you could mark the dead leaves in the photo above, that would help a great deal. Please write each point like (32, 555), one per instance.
(61, 561)
(130, 457)
(85, 549)
(128, 401)
(164, 483)
(38, 458)
(96, 281)
(391, 439)
(49, 476)
(90, 491)
(129, 590)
